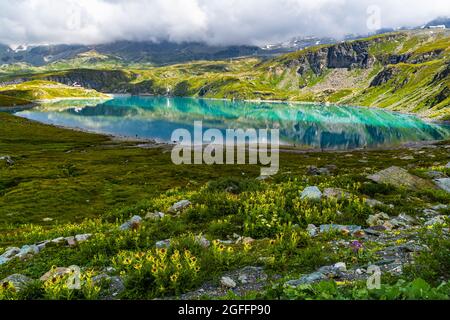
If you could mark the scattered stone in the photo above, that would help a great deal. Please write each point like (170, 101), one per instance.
(163, 244)
(205, 243)
(447, 166)
(56, 272)
(439, 207)
(82, 237)
(435, 220)
(378, 219)
(407, 158)
(42, 245)
(311, 193)
(59, 240)
(71, 241)
(399, 177)
(340, 228)
(336, 193)
(180, 206)
(9, 161)
(115, 286)
(18, 281)
(154, 216)
(373, 203)
(228, 282)
(27, 251)
(243, 278)
(133, 224)
(47, 219)
(312, 230)
(323, 273)
(435, 174)
(314, 171)
(443, 183)
(10, 252)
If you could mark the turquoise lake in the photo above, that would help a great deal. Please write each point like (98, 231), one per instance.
(312, 125)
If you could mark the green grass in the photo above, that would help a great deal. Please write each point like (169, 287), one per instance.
(46, 90)
(90, 184)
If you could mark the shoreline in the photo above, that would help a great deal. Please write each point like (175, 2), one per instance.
(147, 143)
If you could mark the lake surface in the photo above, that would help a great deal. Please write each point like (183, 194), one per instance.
(313, 125)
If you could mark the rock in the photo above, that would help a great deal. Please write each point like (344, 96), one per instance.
(447, 166)
(377, 220)
(314, 171)
(310, 278)
(407, 158)
(115, 285)
(180, 206)
(227, 282)
(154, 216)
(9, 161)
(435, 174)
(311, 193)
(10, 253)
(245, 240)
(312, 230)
(399, 177)
(243, 278)
(47, 219)
(336, 193)
(56, 272)
(82, 237)
(443, 183)
(339, 228)
(59, 240)
(435, 220)
(439, 207)
(27, 251)
(205, 243)
(163, 244)
(341, 266)
(323, 273)
(3, 260)
(42, 245)
(133, 224)
(18, 281)
(71, 241)
(373, 203)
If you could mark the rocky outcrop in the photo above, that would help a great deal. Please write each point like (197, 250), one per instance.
(347, 55)
(383, 77)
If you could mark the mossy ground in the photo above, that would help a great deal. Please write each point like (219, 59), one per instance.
(91, 184)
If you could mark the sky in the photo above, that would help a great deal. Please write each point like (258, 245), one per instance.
(213, 21)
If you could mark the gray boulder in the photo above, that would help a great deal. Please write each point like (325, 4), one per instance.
(163, 244)
(227, 282)
(18, 281)
(336, 193)
(444, 184)
(311, 193)
(133, 223)
(339, 228)
(400, 177)
(180, 206)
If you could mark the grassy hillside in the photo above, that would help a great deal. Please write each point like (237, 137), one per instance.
(23, 93)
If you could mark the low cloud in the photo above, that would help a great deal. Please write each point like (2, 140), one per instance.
(212, 21)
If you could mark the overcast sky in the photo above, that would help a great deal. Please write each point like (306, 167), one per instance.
(213, 21)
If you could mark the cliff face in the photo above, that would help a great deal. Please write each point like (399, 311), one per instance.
(344, 55)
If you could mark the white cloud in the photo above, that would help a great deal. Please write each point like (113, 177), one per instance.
(214, 21)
